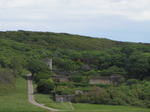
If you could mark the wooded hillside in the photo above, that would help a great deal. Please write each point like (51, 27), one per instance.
(87, 55)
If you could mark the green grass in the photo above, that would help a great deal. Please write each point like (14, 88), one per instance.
(18, 102)
(106, 108)
(47, 101)
(81, 107)
(6, 89)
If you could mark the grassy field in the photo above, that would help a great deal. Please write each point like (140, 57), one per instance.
(46, 99)
(18, 102)
(80, 107)
(106, 108)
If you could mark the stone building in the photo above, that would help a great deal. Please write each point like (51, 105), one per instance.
(48, 62)
(114, 79)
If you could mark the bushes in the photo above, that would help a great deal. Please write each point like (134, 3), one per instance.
(96, 96)
(63, 90)
(132, 81)
(7, 81)
(7, 76)
(6, 89)
(65, 64)
(135, 95)
(117, 97)
(41, 75)
(81, 84)
(113, 70)
(45, 86)
(79, 79)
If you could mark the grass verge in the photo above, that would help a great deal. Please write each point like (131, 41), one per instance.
(83, 107)
(106, 108)
(18, 101)
(47, 101)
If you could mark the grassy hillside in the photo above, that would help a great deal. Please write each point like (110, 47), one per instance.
(18, 101)
(62, 40)
(98, 53)
(19, 47)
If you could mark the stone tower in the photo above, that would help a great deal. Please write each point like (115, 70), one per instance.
(49, 63)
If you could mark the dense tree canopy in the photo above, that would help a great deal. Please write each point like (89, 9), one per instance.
(36, 66)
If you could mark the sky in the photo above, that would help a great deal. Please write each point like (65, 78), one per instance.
(121, 20)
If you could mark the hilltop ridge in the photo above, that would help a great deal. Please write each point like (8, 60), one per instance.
(64, 40)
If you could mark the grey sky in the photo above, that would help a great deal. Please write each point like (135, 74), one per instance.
(122, 20)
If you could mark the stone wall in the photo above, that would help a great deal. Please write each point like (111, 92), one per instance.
(60, 78)
(66, 73)
(100, 81)
(114, 79)
(64, 98)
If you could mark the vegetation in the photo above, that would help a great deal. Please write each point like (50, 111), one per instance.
(84, 107)
(79, 58)
(18, 100)
(45, 86)
(105, 108)
(48, 101)
(35, 66)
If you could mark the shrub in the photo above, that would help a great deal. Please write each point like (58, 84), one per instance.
(74, 84)
(96, 96)
(77, 79)
(132, 81)
(117, 96)
(106, 72)
(63, 90)
(45, 86)
(41, 75)
(117, 101)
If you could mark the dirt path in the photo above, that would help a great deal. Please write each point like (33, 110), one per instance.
(31, 95)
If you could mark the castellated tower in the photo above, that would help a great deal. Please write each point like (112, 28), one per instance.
(49, 63)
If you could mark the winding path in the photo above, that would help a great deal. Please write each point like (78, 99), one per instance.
(31, 95)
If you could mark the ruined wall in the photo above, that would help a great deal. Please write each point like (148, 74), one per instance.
(60, 78)
(114, 79)
(66, 73)
(100, 81)
(64, 98)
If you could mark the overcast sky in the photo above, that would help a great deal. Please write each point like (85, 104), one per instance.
(122, 20)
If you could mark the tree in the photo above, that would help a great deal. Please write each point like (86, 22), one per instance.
(41, 75)
(16, 66)
(45, 86)
(63, 90)
(118, 60)
(138, 66)
(128, 50)
(104, 60)
(35, 66)
(66, 64)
